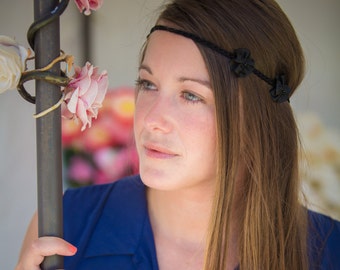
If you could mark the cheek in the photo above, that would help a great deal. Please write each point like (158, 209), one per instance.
(200, 132)
(201, 149)
(137, 126)
(138, 117)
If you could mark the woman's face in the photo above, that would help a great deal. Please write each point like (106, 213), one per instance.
(175, 127)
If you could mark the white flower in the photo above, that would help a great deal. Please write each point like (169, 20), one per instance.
(12, 62)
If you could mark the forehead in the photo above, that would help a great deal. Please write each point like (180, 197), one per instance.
(171, 51)
(168, 38)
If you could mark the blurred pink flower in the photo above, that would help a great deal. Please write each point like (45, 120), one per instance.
(84, 94)
(121, 104)
(98, 137)
(88, 5)
(80, 170)
(115, 163)
(70, 133)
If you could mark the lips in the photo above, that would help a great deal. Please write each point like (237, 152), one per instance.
(158, 151)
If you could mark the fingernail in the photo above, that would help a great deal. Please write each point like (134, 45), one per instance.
(72, 249)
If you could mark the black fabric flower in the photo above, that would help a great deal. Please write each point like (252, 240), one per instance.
(280, 92)
(242, 65)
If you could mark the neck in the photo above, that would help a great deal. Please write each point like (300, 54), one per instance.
(181, 215)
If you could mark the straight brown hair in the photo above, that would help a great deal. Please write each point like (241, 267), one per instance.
(252, 131)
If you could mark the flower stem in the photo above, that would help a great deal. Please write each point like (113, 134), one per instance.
(61, 58)
(52, 108)
(39, 75)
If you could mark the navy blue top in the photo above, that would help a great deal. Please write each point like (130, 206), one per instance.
(110, 226)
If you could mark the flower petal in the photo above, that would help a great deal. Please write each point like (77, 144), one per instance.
(12, 63)
(73, 102)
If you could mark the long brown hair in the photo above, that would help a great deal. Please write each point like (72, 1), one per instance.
(253, 131)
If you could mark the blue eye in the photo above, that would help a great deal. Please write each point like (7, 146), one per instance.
(190, 97)
(145, 85)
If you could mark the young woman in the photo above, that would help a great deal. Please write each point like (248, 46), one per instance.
(218, 147)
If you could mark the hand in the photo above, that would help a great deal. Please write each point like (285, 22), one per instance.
(34, 254)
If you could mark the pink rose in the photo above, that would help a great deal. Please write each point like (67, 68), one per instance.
(88, 5)
(84, 94)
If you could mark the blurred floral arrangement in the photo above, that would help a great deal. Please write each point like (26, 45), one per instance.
(106, 151)
(320, 165)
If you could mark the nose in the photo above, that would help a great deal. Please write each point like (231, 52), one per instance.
(158, 117)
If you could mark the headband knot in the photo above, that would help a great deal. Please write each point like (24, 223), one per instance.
(280, 92)
(242, 64)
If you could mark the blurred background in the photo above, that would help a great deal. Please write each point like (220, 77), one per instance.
(117, 32)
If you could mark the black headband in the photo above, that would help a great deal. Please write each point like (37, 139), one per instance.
(241, 63)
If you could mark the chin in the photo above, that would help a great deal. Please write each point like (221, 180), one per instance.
(158, 179)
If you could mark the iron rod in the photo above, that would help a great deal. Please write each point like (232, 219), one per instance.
(48, 134)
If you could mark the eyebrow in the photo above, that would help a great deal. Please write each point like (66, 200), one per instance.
(147, 68)
(181, 79)
(202, 82)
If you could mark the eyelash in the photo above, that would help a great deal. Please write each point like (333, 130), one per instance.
(145, 85)
(191, 98)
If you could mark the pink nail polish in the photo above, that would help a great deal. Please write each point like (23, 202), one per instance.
(73, 249)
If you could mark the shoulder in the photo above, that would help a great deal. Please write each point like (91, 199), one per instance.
(127, 184)
(324, 240)
(324, 228)
(108, 224)
(84, 207)
(90, 197)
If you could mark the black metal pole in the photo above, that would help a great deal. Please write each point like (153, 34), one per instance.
(48, 129)
(86, 32)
